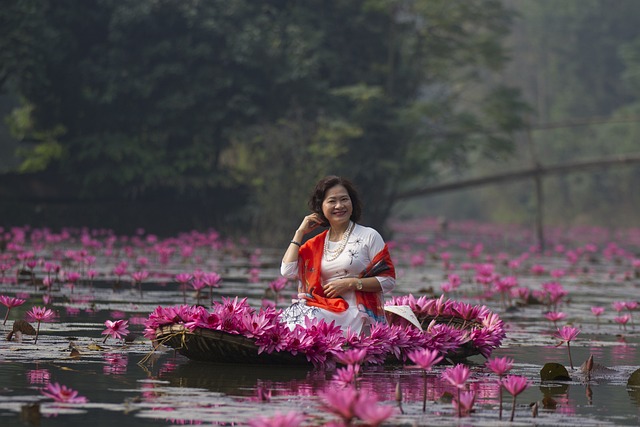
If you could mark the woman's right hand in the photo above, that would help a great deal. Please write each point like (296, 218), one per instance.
(310, 223)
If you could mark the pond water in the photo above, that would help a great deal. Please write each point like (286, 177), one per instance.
(130, 384)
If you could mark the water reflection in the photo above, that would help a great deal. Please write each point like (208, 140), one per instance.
(625, 353)
(115, 364)
(236, 380)
(39, 377)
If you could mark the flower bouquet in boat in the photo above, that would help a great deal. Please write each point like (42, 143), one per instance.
(234, 332)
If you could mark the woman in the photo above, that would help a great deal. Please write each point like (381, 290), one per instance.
(343, 271)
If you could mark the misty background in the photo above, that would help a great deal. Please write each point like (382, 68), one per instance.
(173, 115)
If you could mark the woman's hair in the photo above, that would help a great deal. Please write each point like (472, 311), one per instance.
(317, 197)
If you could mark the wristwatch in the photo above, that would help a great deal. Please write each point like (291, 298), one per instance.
(359, 285)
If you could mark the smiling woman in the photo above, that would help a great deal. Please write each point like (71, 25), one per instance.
(342, 272)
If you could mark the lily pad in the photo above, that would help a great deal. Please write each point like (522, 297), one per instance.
(554, 372)
(634, 379)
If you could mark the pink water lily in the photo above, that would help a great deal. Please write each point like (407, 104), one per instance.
(515, 385)
(346, 375)
(500, 366)
(568, 334)
(425, 358)
(63, 394)
(183, 279)
(622, 320)
(457, 376)
(352, 356)
(40, 314)
(10, 302)
(555, 316)
(138, 277)
(117, 329)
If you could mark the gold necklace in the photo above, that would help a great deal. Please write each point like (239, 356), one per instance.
(332, 255)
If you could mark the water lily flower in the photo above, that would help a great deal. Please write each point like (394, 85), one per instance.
(555, 316)
(619, 305)
(425, 358)
(500, 366)
(212, 280)
(554, 292)
(139, 276)
(40, 314)
(346, 375)
(352, 356)
(278, 284)
(568, 334)
(183, 279)
(63, 394)
(515, 385)
(457, 376)
(622, 320)
(198, 284)
(120, 269)
(118, 329)
(10, 302)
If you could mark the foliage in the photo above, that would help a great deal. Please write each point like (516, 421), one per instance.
(405, 78)
(577, 63)
(133, 96)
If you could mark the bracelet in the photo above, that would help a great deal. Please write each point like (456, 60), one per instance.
(296, 243)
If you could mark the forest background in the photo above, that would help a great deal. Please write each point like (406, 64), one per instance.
(172, 115)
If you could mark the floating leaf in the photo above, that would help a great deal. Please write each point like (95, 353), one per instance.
(634, 379)
(96, 347)
(24, 327)
(554, 372)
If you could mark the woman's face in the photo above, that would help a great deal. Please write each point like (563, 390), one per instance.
(336, 206)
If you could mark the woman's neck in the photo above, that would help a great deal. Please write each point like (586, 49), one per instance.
(336, 232)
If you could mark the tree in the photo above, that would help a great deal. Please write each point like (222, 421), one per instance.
(136, 96)
(410, 81)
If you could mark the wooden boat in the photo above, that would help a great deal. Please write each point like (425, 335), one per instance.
(218, 346)
(207, 345)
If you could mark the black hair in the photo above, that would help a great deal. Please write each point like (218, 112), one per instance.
(318, 195)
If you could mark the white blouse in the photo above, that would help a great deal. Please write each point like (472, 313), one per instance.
(363, 245)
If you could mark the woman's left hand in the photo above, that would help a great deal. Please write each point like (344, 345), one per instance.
(337, 287)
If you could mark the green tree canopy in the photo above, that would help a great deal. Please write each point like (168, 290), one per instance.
(130, 96)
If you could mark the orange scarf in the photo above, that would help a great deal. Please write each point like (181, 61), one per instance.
(309, 272)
